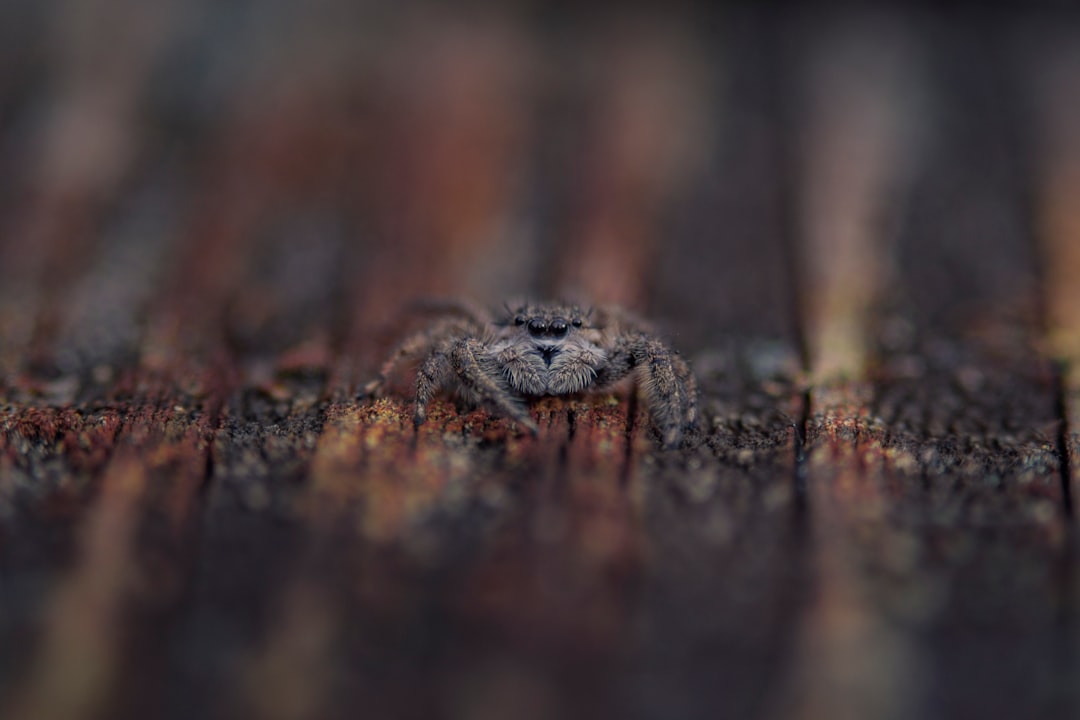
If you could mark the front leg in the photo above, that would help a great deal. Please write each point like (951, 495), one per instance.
(667, 386)
(468, 361)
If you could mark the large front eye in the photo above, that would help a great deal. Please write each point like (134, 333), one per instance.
(558, 327)
(537, 327)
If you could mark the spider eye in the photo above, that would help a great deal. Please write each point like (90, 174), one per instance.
(558, 327)
(537, 327)
(519, 320)
(576, 322)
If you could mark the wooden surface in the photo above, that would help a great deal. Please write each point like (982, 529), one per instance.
(861, 229)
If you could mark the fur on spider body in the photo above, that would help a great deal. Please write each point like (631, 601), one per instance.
(537, 349)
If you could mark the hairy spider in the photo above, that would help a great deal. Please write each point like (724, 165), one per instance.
(537, 349)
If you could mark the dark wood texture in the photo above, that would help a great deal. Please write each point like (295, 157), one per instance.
(860, 229)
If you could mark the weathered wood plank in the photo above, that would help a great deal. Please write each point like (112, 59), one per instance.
(1057, 66)
(199, 518)
(935, 486)
(854, 81)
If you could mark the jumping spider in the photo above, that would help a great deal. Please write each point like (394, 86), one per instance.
(537, 349)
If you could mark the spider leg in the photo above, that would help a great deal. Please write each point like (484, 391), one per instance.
(411, 348)
(664, 379)
(472, 368)
(430, 378)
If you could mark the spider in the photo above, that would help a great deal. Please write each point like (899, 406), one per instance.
(535, 349)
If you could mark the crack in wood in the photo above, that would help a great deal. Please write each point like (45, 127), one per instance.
(801, 470)
(1061, 410)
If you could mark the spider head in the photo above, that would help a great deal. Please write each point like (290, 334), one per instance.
(548, 337)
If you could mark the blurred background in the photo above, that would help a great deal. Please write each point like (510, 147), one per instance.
(216, 217)
(251, 158)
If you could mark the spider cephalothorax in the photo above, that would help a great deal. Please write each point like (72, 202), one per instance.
(537, 349)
